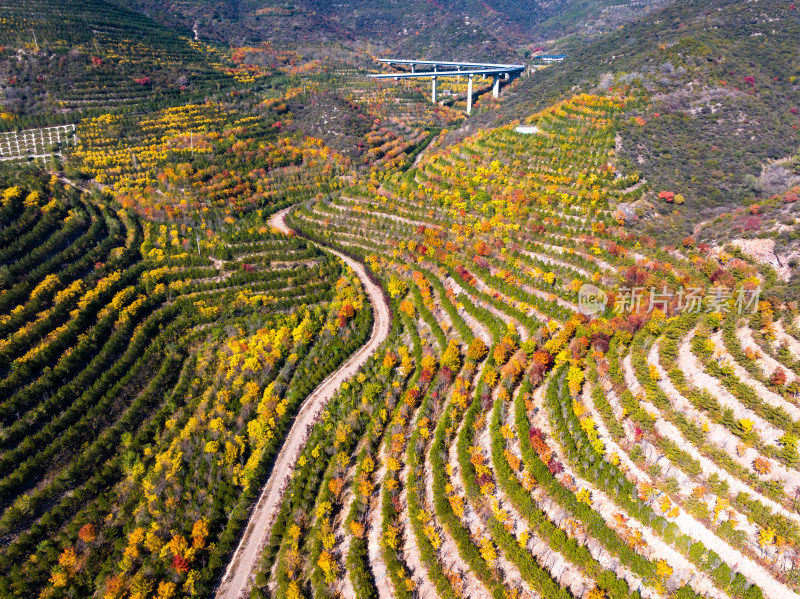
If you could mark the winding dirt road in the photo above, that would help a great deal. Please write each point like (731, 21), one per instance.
(241, 570)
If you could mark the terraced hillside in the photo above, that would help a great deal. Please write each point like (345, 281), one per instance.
(294, 333)
(501, 443)
(145, 395)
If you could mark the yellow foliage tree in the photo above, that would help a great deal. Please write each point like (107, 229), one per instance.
(488, 552)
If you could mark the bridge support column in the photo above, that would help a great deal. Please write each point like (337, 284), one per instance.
(496, 87)
(433, 90)
(469, 94)
(413, 68)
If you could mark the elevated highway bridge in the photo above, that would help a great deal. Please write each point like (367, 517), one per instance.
(432, 71)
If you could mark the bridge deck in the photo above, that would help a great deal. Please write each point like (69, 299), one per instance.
(448, 63)
(492, 71)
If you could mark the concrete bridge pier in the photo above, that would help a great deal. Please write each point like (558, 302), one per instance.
(469, 94)
(496, 87)
(433, 90)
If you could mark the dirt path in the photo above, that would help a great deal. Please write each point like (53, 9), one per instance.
(767, 363)
(399, 219)
(425, 588)
(591, 258)
(557, 514)
(242, 567)
(345, 584)
(66, 181)
(508, 571)
(448, 551)
(556, 262)
(478, 328)
(507, 320)
(561, 570)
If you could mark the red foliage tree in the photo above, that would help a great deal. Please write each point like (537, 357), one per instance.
(482, 248)
(600, 341)
(667, 196)
(537, 229)
(541, 363)
(180, 564)
(554, 466)
(635, 275)
(465, 275)
(778, 378)
(535, 433)
(87, 533)
(752, 223)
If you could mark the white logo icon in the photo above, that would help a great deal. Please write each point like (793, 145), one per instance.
(591, 300)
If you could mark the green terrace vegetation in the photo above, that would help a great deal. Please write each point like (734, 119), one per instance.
(311, 333)
(155, 353)
(207, 162)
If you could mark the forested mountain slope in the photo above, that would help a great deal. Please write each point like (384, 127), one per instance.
(58, 58)
(478, 29)
(721, 78)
